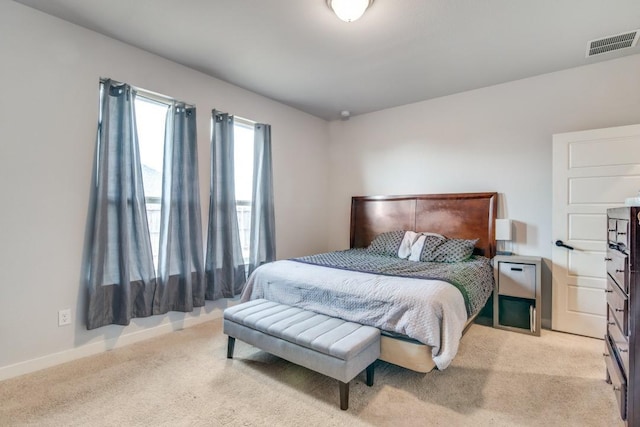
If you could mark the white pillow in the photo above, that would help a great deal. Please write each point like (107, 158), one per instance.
(406, 246)
(427, 233)
(416, 249)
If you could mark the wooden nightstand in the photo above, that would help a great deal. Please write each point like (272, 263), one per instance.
(516, 297)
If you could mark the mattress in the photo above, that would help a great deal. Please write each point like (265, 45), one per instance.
(428, 302)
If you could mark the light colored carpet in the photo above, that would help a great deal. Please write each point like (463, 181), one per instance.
(184, 379)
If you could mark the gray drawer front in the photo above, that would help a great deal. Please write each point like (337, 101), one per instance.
(618, 304)
(618, 380)
(517, 280)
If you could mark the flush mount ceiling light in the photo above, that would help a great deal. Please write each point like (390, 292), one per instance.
(349, 10)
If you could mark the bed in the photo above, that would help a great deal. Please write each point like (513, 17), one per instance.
(418, 337)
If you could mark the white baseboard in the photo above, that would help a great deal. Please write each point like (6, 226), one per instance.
(53, 359)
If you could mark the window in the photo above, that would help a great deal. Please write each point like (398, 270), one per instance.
(151, 118)
(243, 168)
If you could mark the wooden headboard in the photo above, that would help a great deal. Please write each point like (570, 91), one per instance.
(455, 215)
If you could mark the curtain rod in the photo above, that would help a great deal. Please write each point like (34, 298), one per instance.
(155, 96)
(244, 121)
(238, 119)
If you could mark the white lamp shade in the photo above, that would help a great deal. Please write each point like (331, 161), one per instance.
(503, 229)
(349, 10)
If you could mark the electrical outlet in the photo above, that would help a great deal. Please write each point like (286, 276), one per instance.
(64, 317)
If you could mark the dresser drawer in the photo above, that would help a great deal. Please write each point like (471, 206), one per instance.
(618, 304)
(622, 232)
(617, 378)
(619, 342)
(612, 237)
(618, 268)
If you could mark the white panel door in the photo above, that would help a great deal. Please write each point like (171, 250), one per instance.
(592, 171)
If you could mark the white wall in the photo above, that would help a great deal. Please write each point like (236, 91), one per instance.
(48, 114)
(492, 139)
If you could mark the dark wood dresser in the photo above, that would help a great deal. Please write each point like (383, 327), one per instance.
(622, 343)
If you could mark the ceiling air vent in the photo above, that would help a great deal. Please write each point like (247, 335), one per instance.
(611, 43)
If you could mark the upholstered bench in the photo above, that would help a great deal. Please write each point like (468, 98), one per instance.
(330, 346)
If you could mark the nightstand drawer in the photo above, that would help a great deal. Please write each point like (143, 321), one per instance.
(517, 280)
(516, 296)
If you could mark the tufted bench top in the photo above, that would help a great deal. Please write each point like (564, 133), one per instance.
(328, 335)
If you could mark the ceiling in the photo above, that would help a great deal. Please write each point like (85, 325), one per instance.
(401, 51)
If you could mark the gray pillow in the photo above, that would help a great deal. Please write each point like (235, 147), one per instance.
(387, 243)
(448, 250)
(431, 242)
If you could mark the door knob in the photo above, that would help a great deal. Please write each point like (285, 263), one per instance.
(561, 244)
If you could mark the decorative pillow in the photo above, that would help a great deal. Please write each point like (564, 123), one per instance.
(416, 249)
(448, 250)
(387, 243)
(406, 246)
(425, 243)
(428, 233)
(431, 243)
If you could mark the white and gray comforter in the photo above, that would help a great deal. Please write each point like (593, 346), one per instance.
(426, 303)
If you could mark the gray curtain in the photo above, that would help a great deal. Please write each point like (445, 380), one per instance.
(225, 271)
(262, 248)
(120, 272)
(180, 261)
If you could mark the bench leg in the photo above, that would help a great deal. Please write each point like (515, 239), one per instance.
(344, 395)
(370, 375)
(230, 344)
